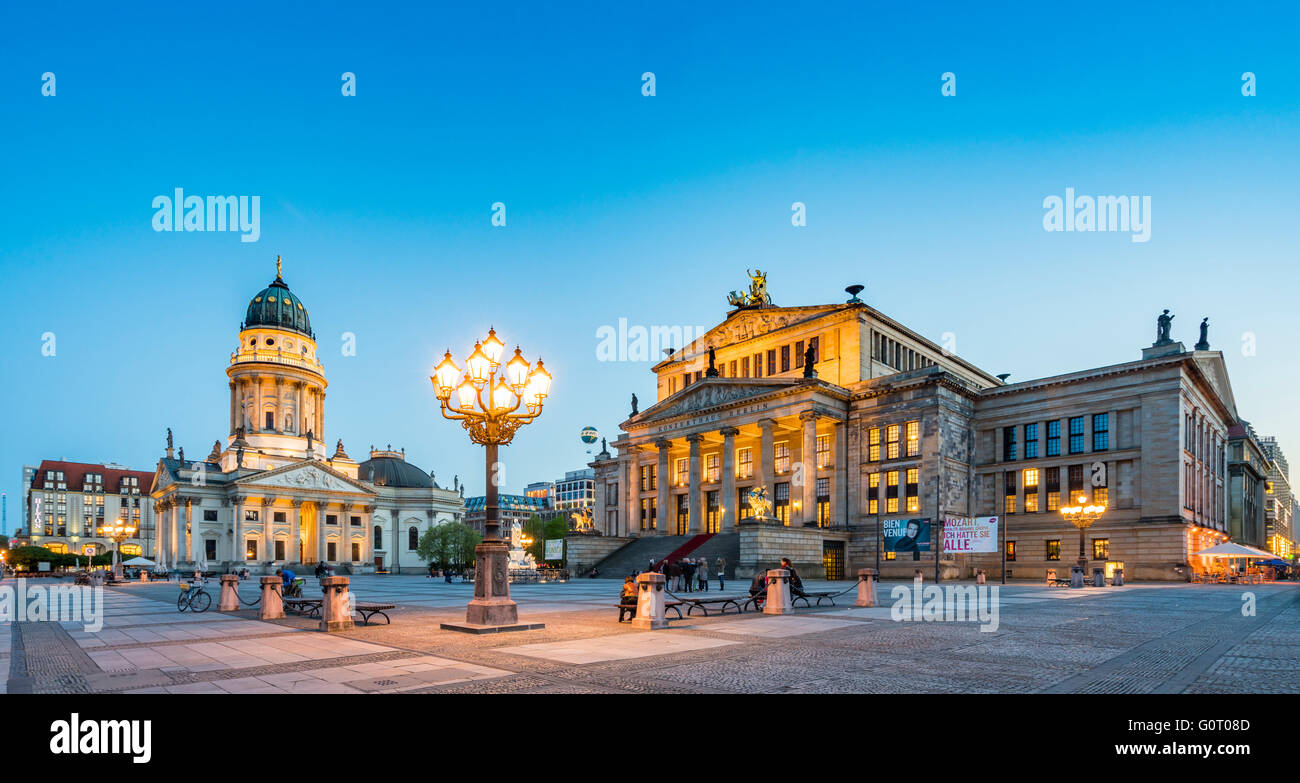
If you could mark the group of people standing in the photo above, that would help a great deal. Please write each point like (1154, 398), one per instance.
(690, 574)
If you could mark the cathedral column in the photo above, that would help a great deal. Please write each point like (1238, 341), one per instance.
(276, 413)
(257, 417)
(191, 532)
(295, 534)
(696, 524)
(233, 392)
(320, 415)
(397, 542)
(300, 413)
(320, 531)
(367, 535)
(268, 529)
(728, 500)
(663, 483)
(808, 459)
(240, 548)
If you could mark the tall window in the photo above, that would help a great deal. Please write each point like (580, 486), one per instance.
(785, 358)
(891, 441)
(823, 502)
(891, 492)
(331, 551)
(1076, 482)
(742, 504)
(683, 514)
(1011, 551)
(279, 549)
(758, 365)
(649, 478)
(782, 457)
(771, 362)
(913, 490)
(1008, 443)
(798, 354)
(683, 472)
(745, 463)
(1009, 493)
(1031, 441)
(913, 438)
(1054, 549)
(250, 549)
(356, 552)
(1101, 493)
(873, 444)
(713, 512)
(379, 537)
(712, 468)
(1031, 489)
(1101, 549)
(873, 493)
(649, 514)
(1100, 431)
(744, 367)
(1053, 489)
(1054, 438)
(782, 502)
(412, 538)
(823, 451)
(1076, 435)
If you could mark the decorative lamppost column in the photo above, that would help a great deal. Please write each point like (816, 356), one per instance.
(117, 532)
(491, 420)
(1081, 516)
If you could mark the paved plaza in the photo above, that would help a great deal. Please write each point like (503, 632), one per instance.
(1140, 638)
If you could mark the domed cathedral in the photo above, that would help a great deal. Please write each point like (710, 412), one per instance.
(273, 494)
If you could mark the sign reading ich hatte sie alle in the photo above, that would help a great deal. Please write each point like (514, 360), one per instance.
(964, 534)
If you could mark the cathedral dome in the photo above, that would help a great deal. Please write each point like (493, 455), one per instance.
(277, 307)
(389, 469)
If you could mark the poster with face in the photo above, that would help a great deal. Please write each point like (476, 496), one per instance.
(906, 535)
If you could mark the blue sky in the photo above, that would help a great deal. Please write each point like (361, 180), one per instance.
(620, 205)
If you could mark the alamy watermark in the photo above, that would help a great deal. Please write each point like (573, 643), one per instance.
(637, 343)
(950, 603)
(180, 212)
(24, 603)
(1101, 213)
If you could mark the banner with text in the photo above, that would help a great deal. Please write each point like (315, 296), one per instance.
(964, 534)
(906, 535)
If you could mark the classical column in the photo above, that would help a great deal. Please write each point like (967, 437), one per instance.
(299, 415)
(839, 512)
(367, 535)
(276, 419)
(666, 519)
(241, 551)
(693, 491)
(173, 535)
(257, 418)
(765, 472)
(808, 458)
(268, 531)
(295, 533)
(233, 393)
(633, 492)
(320, 416)
(189, 526)
(319, 509)
(728, 500)
(396, 513)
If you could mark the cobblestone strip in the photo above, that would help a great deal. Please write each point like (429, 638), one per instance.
(44, 653)
(1172, 662)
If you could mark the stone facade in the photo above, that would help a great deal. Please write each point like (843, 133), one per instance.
(890, 425)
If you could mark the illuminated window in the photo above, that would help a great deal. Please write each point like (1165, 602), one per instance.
(744, 367)
(823, 451)
(823, 502)
(1101, 496)
(1011, 551)
(782, 458)
(1101, 549)
(1054, 549)
(891, 492)
(873, 493)
(781, 504)
(135, 549)
(1009, 506)
(891, 555)
(745, 463)
(712, 468)
(913, 489)
(873, 444)
(1053, 489)
(1031, 489)
(683, 472)
(913, 438)
(250, 549)
(62, 549)
(891, 440)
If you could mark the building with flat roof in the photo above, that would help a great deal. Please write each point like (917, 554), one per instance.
(67, 503)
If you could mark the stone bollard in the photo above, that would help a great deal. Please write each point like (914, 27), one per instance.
(336, 607)
(272, 599)
(144, 575)
(1118, 580)
(866, 587)
(778, 592)
(229, 593)
(651, 601)
(979, 577)
(1098, 577)
(918, 579)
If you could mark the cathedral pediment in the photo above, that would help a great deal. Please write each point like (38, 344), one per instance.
(711, 393)
(306, 476)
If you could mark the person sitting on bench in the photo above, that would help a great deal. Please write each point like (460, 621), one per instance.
(628, 597)
(796, 584)
(758, 587)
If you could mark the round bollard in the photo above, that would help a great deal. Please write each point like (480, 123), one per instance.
(979, 577)
(778, 592)
(866, 587)
(1118, 580)
(272, 607)
(229, 593)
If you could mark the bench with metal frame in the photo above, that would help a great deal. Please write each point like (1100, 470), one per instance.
(700, 603)
(369, 610)
(626, 609)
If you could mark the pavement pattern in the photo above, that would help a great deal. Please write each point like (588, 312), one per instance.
(1139, 638)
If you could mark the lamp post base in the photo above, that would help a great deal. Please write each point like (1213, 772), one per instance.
(491, 605)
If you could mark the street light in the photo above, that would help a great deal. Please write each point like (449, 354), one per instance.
(117, 532)
(1082, 516)
(511, 401)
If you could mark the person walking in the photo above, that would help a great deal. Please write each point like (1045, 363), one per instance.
(688, 566)
(703, 574)
(722, 573)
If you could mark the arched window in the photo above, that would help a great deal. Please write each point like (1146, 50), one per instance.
(379, 537)
(412, 538)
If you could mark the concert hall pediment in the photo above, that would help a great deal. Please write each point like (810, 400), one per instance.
(710, 393)
(305, 476)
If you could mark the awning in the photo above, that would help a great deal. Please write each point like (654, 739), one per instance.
(1231, 550)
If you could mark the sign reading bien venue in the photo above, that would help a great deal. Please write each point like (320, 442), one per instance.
(906, 535)
(964, 534)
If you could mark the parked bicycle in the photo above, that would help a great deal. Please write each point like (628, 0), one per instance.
(193, 597)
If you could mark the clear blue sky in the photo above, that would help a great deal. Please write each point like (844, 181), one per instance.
(619, 205)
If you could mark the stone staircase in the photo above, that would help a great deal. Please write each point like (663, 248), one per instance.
(635, 556)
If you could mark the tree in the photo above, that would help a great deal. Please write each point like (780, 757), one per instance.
(539, 530)
(448, 545)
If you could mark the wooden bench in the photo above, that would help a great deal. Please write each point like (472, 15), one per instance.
(304, 606)
(701, 604)
(369, 610)
(625, 609)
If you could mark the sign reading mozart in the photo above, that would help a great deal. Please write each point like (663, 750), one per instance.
(964, 534)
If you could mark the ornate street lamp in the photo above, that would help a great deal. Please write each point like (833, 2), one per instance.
(117, 532)
(1082, 516)
(491, 409)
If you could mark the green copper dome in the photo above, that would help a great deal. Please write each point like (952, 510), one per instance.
(277, 307)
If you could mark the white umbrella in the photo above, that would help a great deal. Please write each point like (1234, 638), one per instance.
(139, 561)
(1231, 550)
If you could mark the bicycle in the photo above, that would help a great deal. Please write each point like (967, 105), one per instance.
(193, 597)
